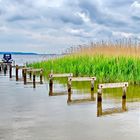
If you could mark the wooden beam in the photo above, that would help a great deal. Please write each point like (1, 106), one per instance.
(83, 78)
(113, 85)
(34, 70)
(62, 75)
(21, 67)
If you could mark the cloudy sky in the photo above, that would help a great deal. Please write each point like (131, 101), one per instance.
(51, 26)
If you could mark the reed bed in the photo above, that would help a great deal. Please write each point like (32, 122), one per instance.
(107, 61)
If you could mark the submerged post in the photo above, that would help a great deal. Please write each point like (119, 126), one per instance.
(92, 89)
(41, 76)
(24, 76)
(17, 72)
(23, 72)
(124, 98)
(30, 75)
(34, 84)
(5, 68)
(51, 85)
(10, 71)
(69, 89)
(99, 102)
(0, 68)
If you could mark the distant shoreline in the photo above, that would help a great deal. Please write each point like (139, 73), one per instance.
(22, 53)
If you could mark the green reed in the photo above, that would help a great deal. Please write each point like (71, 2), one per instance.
(105, 68)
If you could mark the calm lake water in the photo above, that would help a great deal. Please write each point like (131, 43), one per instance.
(30, 114)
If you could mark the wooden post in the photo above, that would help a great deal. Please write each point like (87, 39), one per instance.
(10, 71)
(5, 69)
(124, 98)
(51, 85)
(16, 72)
(0, 68)
(23, 71)
(69, 90)
(41, 75)
(92, 89)
(99, 102)
(24, 76)
(34, 84)
(30, 75)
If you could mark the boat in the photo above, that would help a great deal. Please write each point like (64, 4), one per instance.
(7, 58)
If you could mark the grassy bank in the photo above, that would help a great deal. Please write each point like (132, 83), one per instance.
(105, 68)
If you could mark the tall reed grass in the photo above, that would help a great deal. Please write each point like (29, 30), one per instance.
(108, 62)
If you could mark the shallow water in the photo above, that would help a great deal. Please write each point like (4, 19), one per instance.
(30, 114)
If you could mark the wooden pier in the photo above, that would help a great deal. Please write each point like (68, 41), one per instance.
(32, 79)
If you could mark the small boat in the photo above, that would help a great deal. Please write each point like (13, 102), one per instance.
(7, 58)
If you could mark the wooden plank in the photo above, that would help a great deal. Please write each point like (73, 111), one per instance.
(113, 85)
(83, 78)
(34, 70)
(27, 68)
(62, 75)
(20, 67)
(13, 66)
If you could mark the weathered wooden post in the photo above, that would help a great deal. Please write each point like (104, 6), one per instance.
(10, 71)
(124, 98)
(69, 89)
(23, 71)
(24, 76)
(5, 68)
(92, 89)
(0, 68)
(34, 84)
(51, 84)
(41, 76)
(17, 72)
(30, 75)
(99, 102)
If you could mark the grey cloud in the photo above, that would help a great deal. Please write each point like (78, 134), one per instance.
(62, 23)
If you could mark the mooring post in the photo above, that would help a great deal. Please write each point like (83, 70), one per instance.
(0, 68)
(17, 72)
(69, 89)
(5, 68)
(30, 75)
(23, 71)
(99, 102)
(41, 76)
(51, 84)
(124, 98)
(34, 84)
(24, 76)
(10, 71)
(92, 89)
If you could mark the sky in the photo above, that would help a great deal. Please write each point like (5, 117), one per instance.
(52, 26)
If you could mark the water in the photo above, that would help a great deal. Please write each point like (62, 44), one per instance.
(30, 114)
